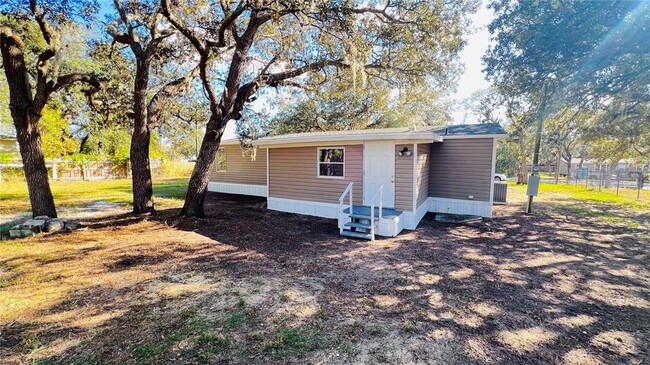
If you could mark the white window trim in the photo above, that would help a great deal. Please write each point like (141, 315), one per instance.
(318, 175)
(225, 155)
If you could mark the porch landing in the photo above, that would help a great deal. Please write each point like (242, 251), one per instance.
(360, 224)
(387, 213)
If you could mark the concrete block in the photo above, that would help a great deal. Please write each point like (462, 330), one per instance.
(54, 225)
(20, 232)
(36, 225)
(14, 232)
(70, 225)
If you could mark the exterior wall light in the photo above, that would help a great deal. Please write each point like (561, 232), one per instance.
(404, 152)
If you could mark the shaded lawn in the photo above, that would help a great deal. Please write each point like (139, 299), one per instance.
(254, 286)
(76, 194)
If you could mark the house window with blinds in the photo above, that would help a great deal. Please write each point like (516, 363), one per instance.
(331, 162)
(221, 160)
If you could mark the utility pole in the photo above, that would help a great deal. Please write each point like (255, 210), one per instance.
(533, 181)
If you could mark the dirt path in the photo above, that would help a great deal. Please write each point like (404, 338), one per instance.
(91, 211)
(256, 286)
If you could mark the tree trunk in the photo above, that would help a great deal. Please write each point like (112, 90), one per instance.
(568, 170)
(198, 183)
(29, 140)
(610, 171)
(521, 176)
(558, 160)
(25, 114)
(140, 141)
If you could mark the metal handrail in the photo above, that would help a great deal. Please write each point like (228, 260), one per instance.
(379, 192)
(348, 190)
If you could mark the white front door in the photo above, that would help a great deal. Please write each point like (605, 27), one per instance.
(378, 170)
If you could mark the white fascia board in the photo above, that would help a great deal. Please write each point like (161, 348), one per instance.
(422, 137)
(229, 142)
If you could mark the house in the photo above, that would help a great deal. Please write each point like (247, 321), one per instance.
(393, 177)
(8, 142)
(593, 165)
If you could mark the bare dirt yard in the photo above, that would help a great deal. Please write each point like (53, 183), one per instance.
(567, 285)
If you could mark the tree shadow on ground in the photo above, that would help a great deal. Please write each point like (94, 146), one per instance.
(248, 285)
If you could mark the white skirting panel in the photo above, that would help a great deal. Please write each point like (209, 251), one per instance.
(242, 189)
(318, 209)
(412, 219)
(459, 206)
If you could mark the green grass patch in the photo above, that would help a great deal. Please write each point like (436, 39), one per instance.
(626, 198)
(210, 344)
(145, 354)
(78, 194)
(289, 342)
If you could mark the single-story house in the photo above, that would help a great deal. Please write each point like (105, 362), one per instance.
(8, 142)
(390, 177)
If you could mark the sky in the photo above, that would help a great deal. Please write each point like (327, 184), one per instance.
(472, 78)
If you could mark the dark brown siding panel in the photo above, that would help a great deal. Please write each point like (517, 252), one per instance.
(241, 169)
(461, 167)
(423, 168)
(293, 175)
(404, 179)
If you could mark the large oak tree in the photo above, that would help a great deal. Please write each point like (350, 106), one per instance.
(141, 28)
(245, 46)
(31, 85)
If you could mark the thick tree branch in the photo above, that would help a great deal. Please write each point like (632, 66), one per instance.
(120, 37)
(203, 51)
(130, 32)
(47, 32)
(226, 24)
(69, 79)
(236, 71)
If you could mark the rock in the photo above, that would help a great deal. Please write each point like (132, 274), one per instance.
(70, 225)
(54, 225)
(36, 225)
(42, 217)
(20, 232)
(14, 232)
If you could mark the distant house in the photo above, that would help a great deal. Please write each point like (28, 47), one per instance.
(624, 165)
(449, 169)
(8, 143)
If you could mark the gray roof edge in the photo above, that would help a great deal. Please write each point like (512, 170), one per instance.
(460, 130)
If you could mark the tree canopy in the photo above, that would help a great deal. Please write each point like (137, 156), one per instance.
(594, 59)
(583, 50)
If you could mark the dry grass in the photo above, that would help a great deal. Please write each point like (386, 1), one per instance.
(255, 286)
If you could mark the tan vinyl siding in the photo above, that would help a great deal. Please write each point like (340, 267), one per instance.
(461, 167)
(422, 170)
(293, 175)
(241, 169)
(404, 179)
(8, 146)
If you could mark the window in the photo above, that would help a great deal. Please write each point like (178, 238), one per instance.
(221, 160)
(331, 162)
